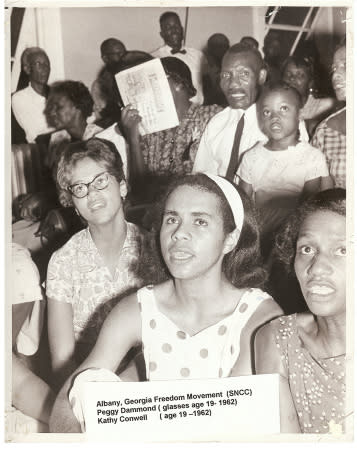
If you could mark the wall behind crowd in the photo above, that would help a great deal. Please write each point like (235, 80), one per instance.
(72, 36)
(83, 30)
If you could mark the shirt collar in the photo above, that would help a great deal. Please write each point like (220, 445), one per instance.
(249, 113)
(168, 48)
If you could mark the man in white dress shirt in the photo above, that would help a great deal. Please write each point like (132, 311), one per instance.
(171, 32)
(241, 75)
(28, 104)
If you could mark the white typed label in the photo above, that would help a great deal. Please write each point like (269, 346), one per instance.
(189, 410)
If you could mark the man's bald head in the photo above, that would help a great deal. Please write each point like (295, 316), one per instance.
(35, 63)
(217, 45)
(112, 50)
(252, 53)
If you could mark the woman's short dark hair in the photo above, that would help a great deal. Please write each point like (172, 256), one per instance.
(285, 242)
(75, 91)
(179, 72)
(242, 266)
(99, 150)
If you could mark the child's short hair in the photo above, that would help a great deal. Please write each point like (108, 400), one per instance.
(279, 86)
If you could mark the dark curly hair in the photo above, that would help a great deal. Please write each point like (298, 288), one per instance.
(76, 92)
(302, 62)
(99, 150)
(242, 266)
(285, 242)
(278, 86)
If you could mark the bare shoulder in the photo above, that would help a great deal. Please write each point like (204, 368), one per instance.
(265, 312)
(266, 352)
(127, 306)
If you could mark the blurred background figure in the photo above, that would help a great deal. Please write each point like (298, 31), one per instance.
(330, 135)
(172, 33)
(112, 50)
(217, 45)
(28, 104)
(273, 55)
(32, 398)
(299, 72)
(249, 41)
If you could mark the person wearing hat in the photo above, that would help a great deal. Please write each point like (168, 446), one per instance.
(160, 155)
(172, 32)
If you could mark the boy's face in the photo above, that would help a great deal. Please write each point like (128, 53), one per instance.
(278, 116)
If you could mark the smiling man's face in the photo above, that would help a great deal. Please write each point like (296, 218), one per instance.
(241, 75)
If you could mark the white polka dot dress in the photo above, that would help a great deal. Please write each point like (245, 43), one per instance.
(171, 353)
(317, 385)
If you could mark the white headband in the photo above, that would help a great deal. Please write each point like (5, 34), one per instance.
(233, 198)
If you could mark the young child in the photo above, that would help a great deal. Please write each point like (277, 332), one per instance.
(278, 173)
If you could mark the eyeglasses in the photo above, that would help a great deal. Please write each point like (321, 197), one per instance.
(99, 182)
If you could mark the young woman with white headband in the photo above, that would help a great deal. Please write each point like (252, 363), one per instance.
(201, 321)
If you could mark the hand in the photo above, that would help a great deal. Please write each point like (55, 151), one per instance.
(34, 206)
(130, 119)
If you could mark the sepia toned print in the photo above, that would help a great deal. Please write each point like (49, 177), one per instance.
(218, 254)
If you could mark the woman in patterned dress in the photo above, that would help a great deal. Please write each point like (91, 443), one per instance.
(98, 265)
(308, 349)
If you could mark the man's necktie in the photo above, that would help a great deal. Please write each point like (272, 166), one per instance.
(233, 162)
(173, 52)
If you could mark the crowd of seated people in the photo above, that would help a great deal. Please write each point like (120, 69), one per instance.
(241, 231)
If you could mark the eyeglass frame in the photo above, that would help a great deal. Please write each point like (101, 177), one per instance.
(69, 188)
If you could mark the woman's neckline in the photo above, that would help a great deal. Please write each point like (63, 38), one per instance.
(309, 350)
(228, 316)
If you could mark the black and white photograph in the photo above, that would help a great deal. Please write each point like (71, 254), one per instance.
(178, 254)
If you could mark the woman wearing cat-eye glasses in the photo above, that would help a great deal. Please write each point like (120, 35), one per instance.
(98, 265)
